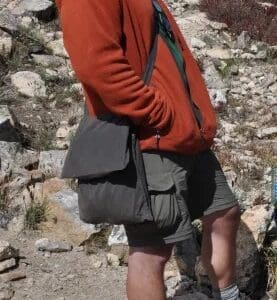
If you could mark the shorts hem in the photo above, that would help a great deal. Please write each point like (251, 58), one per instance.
(221, 207)
(160, 241)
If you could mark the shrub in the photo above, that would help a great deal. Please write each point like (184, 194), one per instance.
(244, 15)
(35, 214)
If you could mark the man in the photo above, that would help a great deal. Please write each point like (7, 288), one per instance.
(108, 42)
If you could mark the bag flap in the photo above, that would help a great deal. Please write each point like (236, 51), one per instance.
(99, 147)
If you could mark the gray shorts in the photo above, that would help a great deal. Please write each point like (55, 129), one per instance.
(182, 188)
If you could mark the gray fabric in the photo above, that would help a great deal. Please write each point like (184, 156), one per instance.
(181, 188)
(121, 197)
(98, 148)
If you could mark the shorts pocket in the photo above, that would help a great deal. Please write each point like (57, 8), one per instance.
(165, 210)
(162, 192)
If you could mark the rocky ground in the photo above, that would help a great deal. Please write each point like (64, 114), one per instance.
(41, 104)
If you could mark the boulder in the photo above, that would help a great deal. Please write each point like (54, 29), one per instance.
(219, 53)
(7, 251)
(48, 60)
(29, 84)
(243, 40)
(266, 132)
(45, 244)
(8, 153)
(251, 235)
(117, 236)
(8, 21)
(7, 264)
(63, 220)
(43, 9)
(14, 157)
(57, 48)
(51, 162)
(197, 43)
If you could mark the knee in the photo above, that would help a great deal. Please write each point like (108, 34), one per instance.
(220, 220)
(157, 256)
(232, 215)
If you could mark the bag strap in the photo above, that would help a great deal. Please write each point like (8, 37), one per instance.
(166, 32)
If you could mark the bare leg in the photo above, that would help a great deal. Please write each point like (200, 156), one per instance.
(218, 252)
(145, 272)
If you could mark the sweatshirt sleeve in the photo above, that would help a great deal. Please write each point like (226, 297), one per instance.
(92, 33)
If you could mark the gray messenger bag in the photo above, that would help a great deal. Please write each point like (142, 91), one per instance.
(105, 158)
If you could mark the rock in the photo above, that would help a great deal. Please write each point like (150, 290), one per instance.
(7, 251)
(6, 291)
(118, 236)
(254, 49)
(113, 260)
(63, 132)
(5, 44)
(5, 218)
(64, 135)
(122, 252)
(15, 159)
(8, 152)
(234, 70)
(266, 132)
(77, 87)
(17, 224)
(48, 60)
(26, 21)
(171, 285)
(248, 56)
(64, 213)
(8, 125)
(219, 53)
(243, 40)
(192, 2)
(57, 48)
(8, 21)
(218, 98)
(186, 253)
(251, 235)
(67, 198)
(272, 51)
(170, 274)
(52, 245)
(262, 54)
(212, 77)
(197, 43)
(12, 276)
(29, 84)
(217, 25)
(7, 264)
(51, 162)
(96, 261)
(27, 159)
(43, 9)
(273, 87)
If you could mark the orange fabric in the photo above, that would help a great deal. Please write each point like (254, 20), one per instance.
(108, 42)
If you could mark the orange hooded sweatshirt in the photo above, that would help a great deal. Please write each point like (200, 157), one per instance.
(108, 42)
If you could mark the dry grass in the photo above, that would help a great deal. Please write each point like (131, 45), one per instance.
(35, 214)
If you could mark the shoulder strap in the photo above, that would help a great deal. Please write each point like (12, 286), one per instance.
(166, 32)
